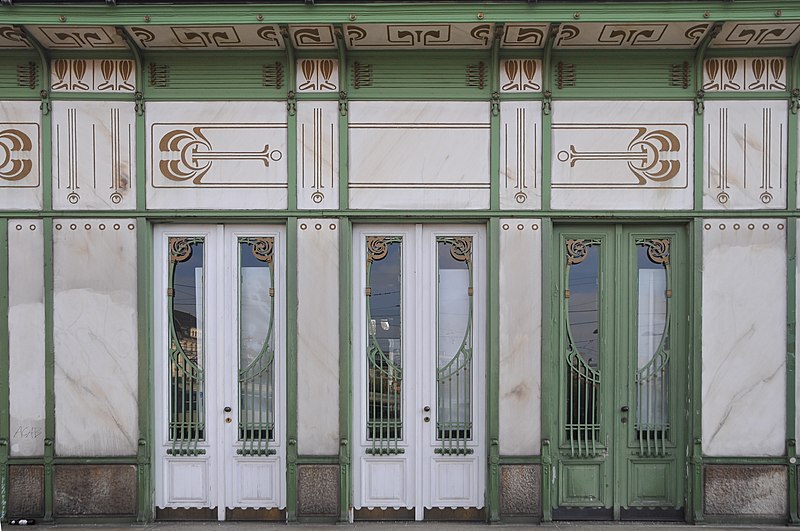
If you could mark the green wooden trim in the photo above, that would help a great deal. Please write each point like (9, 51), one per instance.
(317, 460)
(46, 167)
(439, 12)
(549, 400)
(493, 371)
(547, 119)
(345, 368)
(791, 356)
(494, 126)
(90, 96)
(5, 365)
(743, 460)
(291, 126)
(520, 459)
(144, 303)
(694, 509)
(344, 135)
(49, 369)
(140, 124)
(291, 369)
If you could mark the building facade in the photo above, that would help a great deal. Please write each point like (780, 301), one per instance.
(298, 261)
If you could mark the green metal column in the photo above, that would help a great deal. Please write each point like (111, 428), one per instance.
(345, 367)
(695, 484)
(144, 286)
(493, 371)
(291, 369)
(549, 407)
(5, 410)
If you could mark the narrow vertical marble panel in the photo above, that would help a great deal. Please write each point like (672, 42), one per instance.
(95, 337)
(745, 154)
(217, 155)
(520, 336)
(26, 336)
(615, 155)
(94, 155)
(318, 337)
(520, 155)
(318, 154)
(419, 155)
(20, 155)
(744, 337)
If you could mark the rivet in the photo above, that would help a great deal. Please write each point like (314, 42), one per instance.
(147, 18)
(505, 226)
(721, 226)
(318, 226)
(751, 226)
(707, 226)
(62, 18)
(577, 14)
(116, 226)
(87, 227)
(303, 226)
(19, 227)
(259, 17)
(765, 226)
(58, 226)
(778, 12)
(706, 14)
(102, 227)
(333, 226)
(535, 226)
(480, 15)
(520, 226)
(73, 227)
(131, 226)
(780, 226)
(736, 226)
(33, 227)
(352, 16)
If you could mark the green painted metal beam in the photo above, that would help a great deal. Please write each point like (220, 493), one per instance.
(493, 371)
(5, 365)
(291, 369)
(145, 324)
(694, 491)
(345, 368)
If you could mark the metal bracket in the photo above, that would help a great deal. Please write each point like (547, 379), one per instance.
(291, 103)
(495, 104)
(699, 102)
(343, 103)
(794, 100)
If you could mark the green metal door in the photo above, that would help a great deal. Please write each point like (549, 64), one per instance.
(621, 373)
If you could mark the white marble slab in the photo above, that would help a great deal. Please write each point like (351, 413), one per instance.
(317, 154)
(744, 74)
(520, 336)
(318, 336)
(94, 155)
(95, 337)
(26, 337)
(744, 337)
(745, 154)
(406, 154)
(20, 155)
(520, 155)
(622, 155)
(216, 155)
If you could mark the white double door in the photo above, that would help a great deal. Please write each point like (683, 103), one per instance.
(419, 367)
(219, 368)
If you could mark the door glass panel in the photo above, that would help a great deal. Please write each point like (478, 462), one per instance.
(454, 341)
(256, 346)
(384, 353)
(583, 346)
(653, 350)
(186, 364)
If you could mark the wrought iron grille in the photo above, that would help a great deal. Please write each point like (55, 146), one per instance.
(256, 346)
(582, 421)
(384, 353)
(454, 357)
(187, 418)
(652, 374)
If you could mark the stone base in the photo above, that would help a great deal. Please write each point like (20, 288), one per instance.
(520, 491)
(25, 491)
(318, 491)
(94, 490)
(753, 492)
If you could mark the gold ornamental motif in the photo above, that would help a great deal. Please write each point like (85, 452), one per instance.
(578, 250)
(657, 250)
(180, 249)
(261, 248)
(15, 162)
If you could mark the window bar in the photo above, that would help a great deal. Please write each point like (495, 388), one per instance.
(187, 414)
(256, 379)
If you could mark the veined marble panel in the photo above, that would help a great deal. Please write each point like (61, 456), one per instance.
(520, 336)
(94, 155)
(744, 337)
(318, 336)
(26, 336)
(95, 337)
(93, 75)
(520, 155)
(216, 155)
(744, 154)
(318, 154)
(20, 155)
(425, 155)
(622, 155)
(317, 75)
(744, 74)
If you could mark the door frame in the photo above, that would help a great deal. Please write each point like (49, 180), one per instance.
(681, 336)
(219, 389)
(418, 491)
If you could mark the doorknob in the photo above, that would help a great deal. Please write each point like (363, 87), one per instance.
(624, 409)
(426, 409)
(227, 409)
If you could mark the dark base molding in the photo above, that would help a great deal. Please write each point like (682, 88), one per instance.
(630, 514)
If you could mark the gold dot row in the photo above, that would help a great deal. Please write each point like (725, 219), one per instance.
(318, 226)
(88, 226)
(521, 226)
(750, 226)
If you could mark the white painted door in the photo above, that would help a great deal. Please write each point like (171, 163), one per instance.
(419, 307)
(219, 368)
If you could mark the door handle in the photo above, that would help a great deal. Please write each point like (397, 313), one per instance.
(426, 409)
(624, 409)
(227, 409)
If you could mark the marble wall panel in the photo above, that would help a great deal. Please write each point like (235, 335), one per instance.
(614, 155)
(318, 154)
(20, 155)
(95, 337)
(216, 155)
(520, 336)
(744, 337)
(520, 155)
(26, 337)
(419, 155)
(318, 336)
(745, 154)
(94, 155)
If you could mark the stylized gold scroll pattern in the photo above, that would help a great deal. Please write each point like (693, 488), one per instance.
(657, 250)
(578, 250)
(15, 149)
(180, 249)
(378, 247)
(262, 248)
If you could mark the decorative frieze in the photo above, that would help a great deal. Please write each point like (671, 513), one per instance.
(744, 74)
(317, 75)
(20, 154)
(757, 35)
(93, 75)
(418, 36)
(520, 75)
(221, 37)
